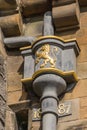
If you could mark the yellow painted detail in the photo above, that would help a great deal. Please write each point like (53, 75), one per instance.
(26, 80)
(52, 37)
(56, 71)
(46, 37)
(25, 48)
(43, 53)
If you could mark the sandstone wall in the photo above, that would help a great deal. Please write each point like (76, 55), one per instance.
(25, 18)
(3, 85)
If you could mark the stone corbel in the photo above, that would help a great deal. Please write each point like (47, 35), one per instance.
(33, 7)
(83, 2)
(62, 2)
(7, 4)
(11, 25)
(66, 16)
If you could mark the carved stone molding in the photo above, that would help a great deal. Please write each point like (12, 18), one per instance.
(11, 25)
(66, 16)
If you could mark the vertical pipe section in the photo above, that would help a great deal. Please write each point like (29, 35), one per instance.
(49, 97)
(49, 122)
(49, 86)
(49, 108)
(48, 24)
(49, 113)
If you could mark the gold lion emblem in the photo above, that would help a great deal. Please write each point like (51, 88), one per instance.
(44, 54)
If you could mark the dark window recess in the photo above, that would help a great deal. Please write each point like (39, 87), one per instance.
(22, 120)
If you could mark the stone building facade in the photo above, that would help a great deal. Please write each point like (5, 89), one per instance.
(23, 18)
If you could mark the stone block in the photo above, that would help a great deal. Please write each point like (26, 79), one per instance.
(7, 5)
(2, 48)
(36, 125)
(62, 13)
(83, 17)
(82, 70)
(19, 106)
(11, 122)
(83, 113)
(83, 107)
(83, 2)
(83, 101)
(14, 96)
(14, 82)
(83, 54)
(79, 91)
(33, 7)
(11, 25)
(81, 36)
(14, 64)
(62, 2)
(73, 125)
(33, 28)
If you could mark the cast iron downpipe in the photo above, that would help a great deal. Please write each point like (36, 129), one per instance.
(50, 86)
(48, 83)
(49, 67)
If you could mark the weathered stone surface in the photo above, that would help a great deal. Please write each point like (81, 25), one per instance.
(80, 90)
(2, 93)
(62, 2)
(11, 25)
(18, 106)
(8, 12)
(36, 126)
(83, 113)
(83, 17)
(82, 70)
(12, 63)
(14, 96)
(32, 7)
(83, 107)
(83, 2)
(33, 28)
(81, 36)
(66, 35)
(7, 4)
(17, 95)
(83, 54)
(73, 125)
(14, 82)
(62, 13)
(2, 48)
(11, 122)
(83, 101)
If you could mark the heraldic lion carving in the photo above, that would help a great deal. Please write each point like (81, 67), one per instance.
(44, 54)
